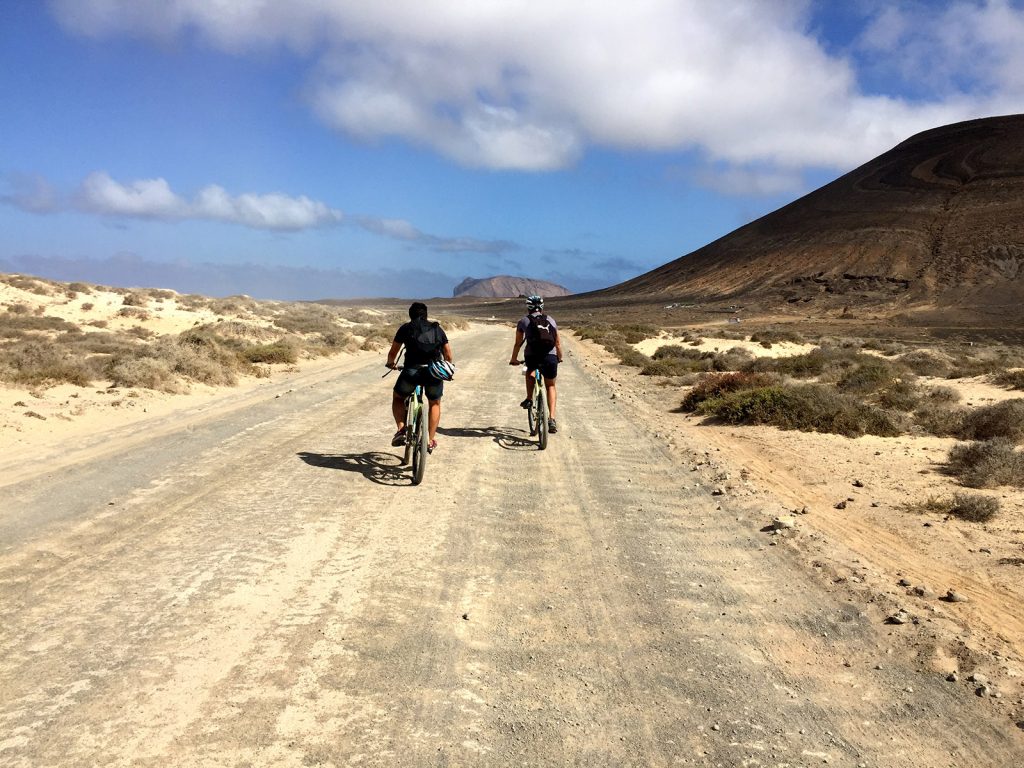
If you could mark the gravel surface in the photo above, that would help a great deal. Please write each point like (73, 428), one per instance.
(265, 587)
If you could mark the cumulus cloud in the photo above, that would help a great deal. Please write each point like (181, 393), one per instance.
(963, 46)
(154, 199)
(744, 181)
(516, 84)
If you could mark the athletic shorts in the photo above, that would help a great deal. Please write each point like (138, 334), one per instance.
(548, 365)
(408, 378)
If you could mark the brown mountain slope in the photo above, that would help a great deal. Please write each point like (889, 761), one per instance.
(506, 286)
(939, 219)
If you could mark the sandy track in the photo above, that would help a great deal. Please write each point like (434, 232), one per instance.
(267, 589)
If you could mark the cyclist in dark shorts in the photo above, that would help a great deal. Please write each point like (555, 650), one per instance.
(540, 353)
(424, 342)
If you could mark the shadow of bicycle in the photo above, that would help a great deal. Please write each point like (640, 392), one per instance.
(509, 439)
(376, 466)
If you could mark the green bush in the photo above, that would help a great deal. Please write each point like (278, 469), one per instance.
(869, 376)
(718, 385)
(987, 464)
(804, 407)
(925, 363)
(974, 507)
(940, 420)
(1005, 419)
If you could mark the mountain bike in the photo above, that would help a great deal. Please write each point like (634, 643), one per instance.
(417, 434)
(537, 412)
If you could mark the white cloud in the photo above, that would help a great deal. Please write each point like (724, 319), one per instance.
(518, 84)
(154, 199)
(740, 181)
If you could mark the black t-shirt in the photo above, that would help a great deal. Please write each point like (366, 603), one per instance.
(407, 335)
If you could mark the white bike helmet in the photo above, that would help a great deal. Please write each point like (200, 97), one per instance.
(534, 302)
(442, 370)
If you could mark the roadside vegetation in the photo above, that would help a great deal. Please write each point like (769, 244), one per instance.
(115, 345)
(846, 387)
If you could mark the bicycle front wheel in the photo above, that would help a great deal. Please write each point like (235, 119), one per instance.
(420, 449)
(542, 420)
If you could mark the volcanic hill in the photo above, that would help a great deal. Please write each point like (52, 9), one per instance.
(936, 221)
(506, 286)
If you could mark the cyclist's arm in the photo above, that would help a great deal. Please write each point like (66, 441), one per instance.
(558, 345)
(446, 350)
(393, 353)
(520, 336)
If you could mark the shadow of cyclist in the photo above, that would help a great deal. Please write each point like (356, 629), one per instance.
(509, 439)
(376, 466)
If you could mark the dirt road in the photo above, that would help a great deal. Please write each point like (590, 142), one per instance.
(262, 586)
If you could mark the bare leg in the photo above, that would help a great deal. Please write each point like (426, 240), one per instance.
(529, 385)
(435, 417)
(549, 384)
(398, 409)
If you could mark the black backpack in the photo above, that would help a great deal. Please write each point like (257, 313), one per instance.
(540, 335)
(426, 338)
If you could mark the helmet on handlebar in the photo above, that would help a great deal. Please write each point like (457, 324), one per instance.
(442, 370)
(534, 302)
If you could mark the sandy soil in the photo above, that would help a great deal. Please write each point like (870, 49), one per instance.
(259, 584)
(873, 541)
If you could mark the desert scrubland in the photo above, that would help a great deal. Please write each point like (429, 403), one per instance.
(741, 547)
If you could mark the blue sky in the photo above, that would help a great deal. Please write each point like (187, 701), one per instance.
(318, 148)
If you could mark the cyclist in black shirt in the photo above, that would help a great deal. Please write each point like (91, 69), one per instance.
(424, 343)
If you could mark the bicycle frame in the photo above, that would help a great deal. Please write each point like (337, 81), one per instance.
(537, 413)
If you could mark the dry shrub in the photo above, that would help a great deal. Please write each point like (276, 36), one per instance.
(804, 407)
(278, 352)
(987, 464)
(900, 396)
(940, 420)
(80, 287)
(307, 319)
(16, 325)
(36, 364)
(87, 305)
(160, 294)
(943, 394)
(773, 336)
(135, 299)
(974, 507)
(134, 312)
(453, 322)
(19, 309)
(144, 373)
(233, 305)
(29, 284)
(676, 351)
(1010, 379)
(925, 363)
(1005, 420)
(675, 366)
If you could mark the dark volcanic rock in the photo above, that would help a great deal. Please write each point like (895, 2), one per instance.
(506, 286)
(939, 219)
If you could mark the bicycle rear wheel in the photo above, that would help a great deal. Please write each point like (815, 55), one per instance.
(410, 418)
(542, 418)
(421, 438)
